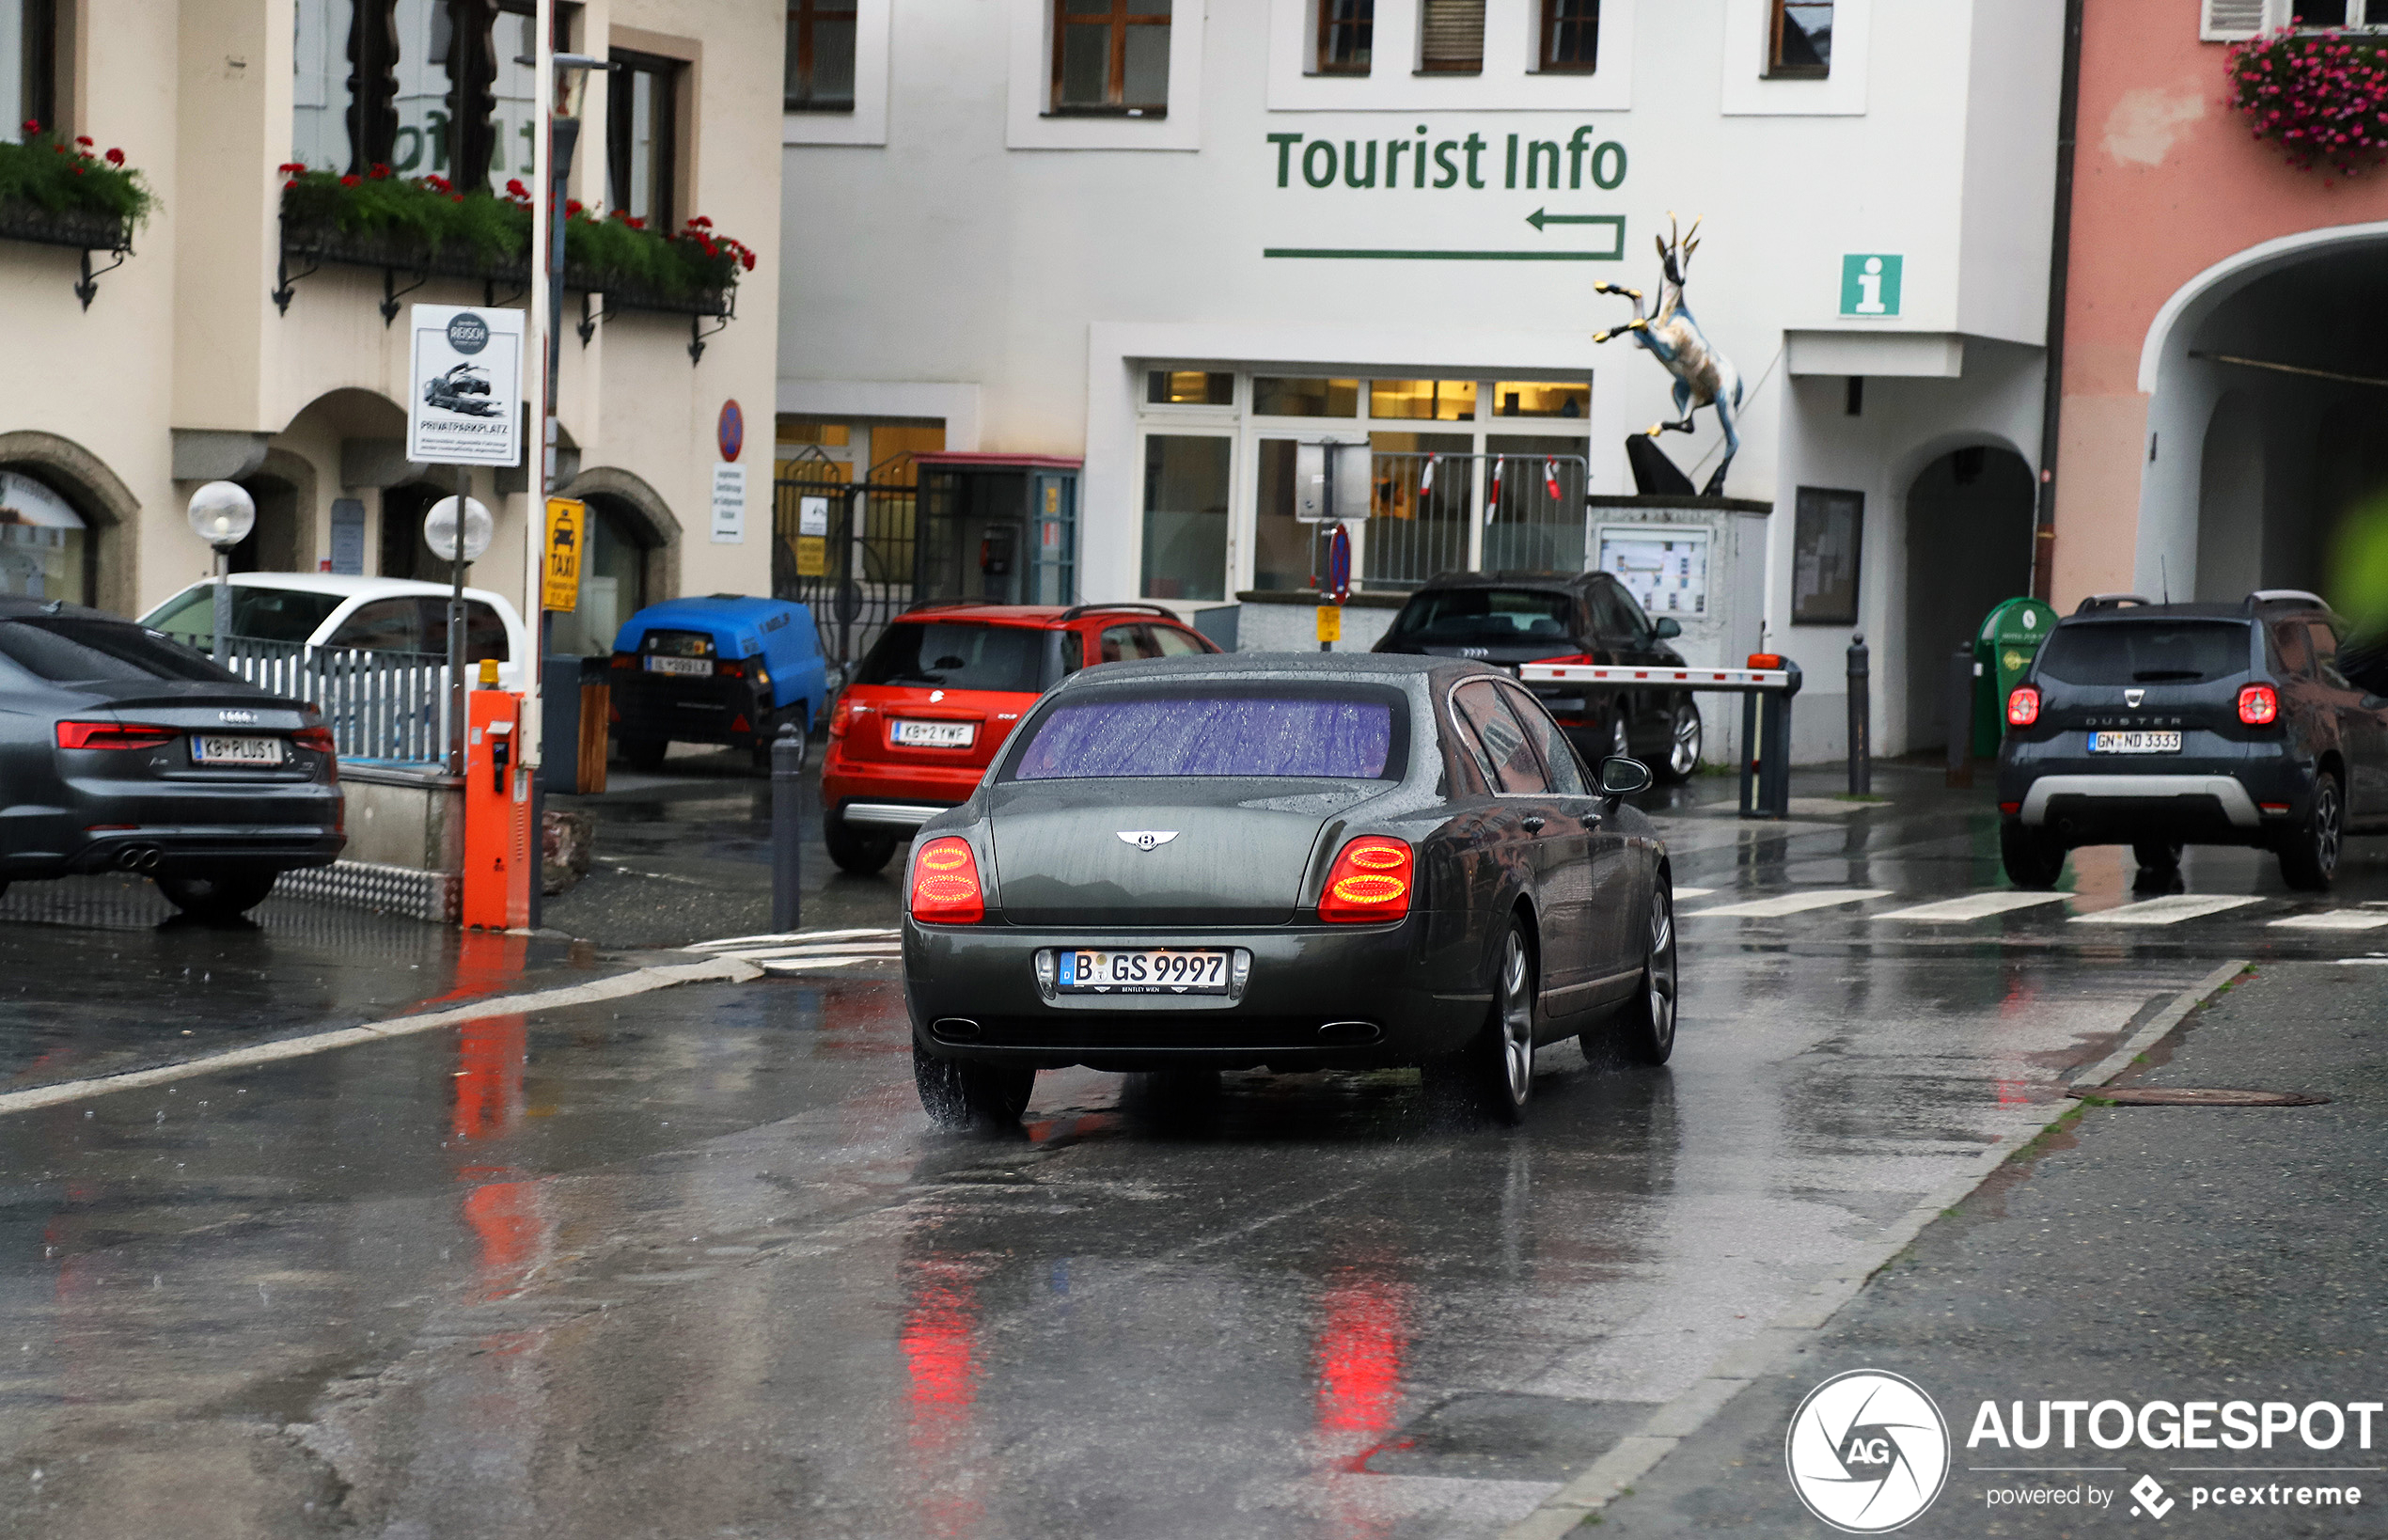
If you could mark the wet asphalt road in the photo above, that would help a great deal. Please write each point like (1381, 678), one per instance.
(693, 1263)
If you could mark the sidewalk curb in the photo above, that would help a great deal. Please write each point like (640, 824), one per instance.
(1738, 1366)
(636, 982)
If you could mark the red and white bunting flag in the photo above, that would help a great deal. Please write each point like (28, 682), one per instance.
(1426, 476)
(1550, 479)
(1492, 504)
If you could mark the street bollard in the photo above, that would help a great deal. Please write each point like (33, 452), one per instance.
(787, 827)
(1860, 717)
(1959, 705)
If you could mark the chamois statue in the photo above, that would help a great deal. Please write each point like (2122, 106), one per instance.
(1704, 376)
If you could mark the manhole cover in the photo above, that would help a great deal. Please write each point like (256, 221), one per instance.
(2188, 1096)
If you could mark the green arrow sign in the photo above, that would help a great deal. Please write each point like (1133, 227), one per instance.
(1538, 219)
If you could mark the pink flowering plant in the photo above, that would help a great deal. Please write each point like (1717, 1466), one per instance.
(2321, 96)
(603, 252)
(52, 171)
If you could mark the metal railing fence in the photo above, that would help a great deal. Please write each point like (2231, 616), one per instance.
(378, 705)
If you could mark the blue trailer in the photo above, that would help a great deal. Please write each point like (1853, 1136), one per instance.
(722, 669)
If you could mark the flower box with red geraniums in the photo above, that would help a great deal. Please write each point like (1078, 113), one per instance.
(2321, 97)
(424, 225)
(66, 192)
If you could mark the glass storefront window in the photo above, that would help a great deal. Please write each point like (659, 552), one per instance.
(1540, 398)
(42, 547)
(1425, 400)
(1274, 397)
(1185, 485)
(1188, 387)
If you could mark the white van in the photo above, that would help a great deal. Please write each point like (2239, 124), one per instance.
(376, 614)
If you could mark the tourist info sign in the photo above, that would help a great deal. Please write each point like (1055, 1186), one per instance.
(465, 407)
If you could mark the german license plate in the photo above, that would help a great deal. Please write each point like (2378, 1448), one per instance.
(1143, 971)
(214, 750)
(932, 735)
(691, 668)
(2135, 743)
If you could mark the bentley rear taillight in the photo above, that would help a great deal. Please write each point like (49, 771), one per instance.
(2258, 705)
(2022, 706)
(1371, 882)
(114, 735)
(945, 884)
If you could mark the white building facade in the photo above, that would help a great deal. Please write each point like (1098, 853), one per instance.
(1178, 240)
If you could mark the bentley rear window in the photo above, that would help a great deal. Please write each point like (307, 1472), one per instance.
(1214, 735)
(2146, 652)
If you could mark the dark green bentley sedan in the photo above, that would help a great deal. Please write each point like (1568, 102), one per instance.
(1286, 861)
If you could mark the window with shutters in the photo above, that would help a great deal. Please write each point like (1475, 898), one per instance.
(2322, 15)
(1570, 36)
(1452, 38)
(1347, 30)
(1111, 56)
(2235, 20)
(1800, 41)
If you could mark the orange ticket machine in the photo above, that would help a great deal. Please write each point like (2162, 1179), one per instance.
(501, 863)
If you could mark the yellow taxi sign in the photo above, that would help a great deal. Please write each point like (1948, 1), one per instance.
(1330, 622)
(566, 522)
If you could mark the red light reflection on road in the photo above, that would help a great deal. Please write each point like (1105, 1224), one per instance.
(488, 1076)
(1360, 1344)
(939, 1341)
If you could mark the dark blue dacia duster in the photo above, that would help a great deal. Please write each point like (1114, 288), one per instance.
(2157, 726)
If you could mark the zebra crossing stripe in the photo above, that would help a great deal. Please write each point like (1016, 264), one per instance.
(2169, 910)
(2335, 919)
(1972, 907)
(1682, 893)
(791, 939)
(1791, 903)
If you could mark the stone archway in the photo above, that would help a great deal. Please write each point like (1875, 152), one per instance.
(646, 516)
(106, 505)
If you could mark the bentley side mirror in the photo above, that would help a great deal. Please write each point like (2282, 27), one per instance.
(1665, 629)
(1621, 776)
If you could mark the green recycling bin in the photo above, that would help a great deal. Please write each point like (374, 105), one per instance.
(2004, 649)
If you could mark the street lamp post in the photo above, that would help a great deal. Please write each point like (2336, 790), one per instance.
(221, 513)
(441, 533)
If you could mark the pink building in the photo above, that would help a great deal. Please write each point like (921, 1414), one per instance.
(2226, 346)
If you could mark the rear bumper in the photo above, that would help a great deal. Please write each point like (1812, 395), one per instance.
(706, 711)
(1316, 998)
(182, 850)
(2198, 799)
(845, 780)
(174, 829)
(2222, 794)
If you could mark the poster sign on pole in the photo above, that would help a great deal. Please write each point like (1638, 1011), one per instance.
(728, 505)
(465, 407)
(567, 519)
(1332, 481)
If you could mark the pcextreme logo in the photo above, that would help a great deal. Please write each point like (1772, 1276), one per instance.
(1868, 1452)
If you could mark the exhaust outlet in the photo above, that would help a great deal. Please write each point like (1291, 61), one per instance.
(139, 858)
(1349, 1035)
(953, 1029)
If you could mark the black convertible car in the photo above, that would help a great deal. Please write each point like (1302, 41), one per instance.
(1346, 862)
(122, 749)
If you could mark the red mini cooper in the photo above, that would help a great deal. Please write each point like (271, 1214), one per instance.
(941, 690)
